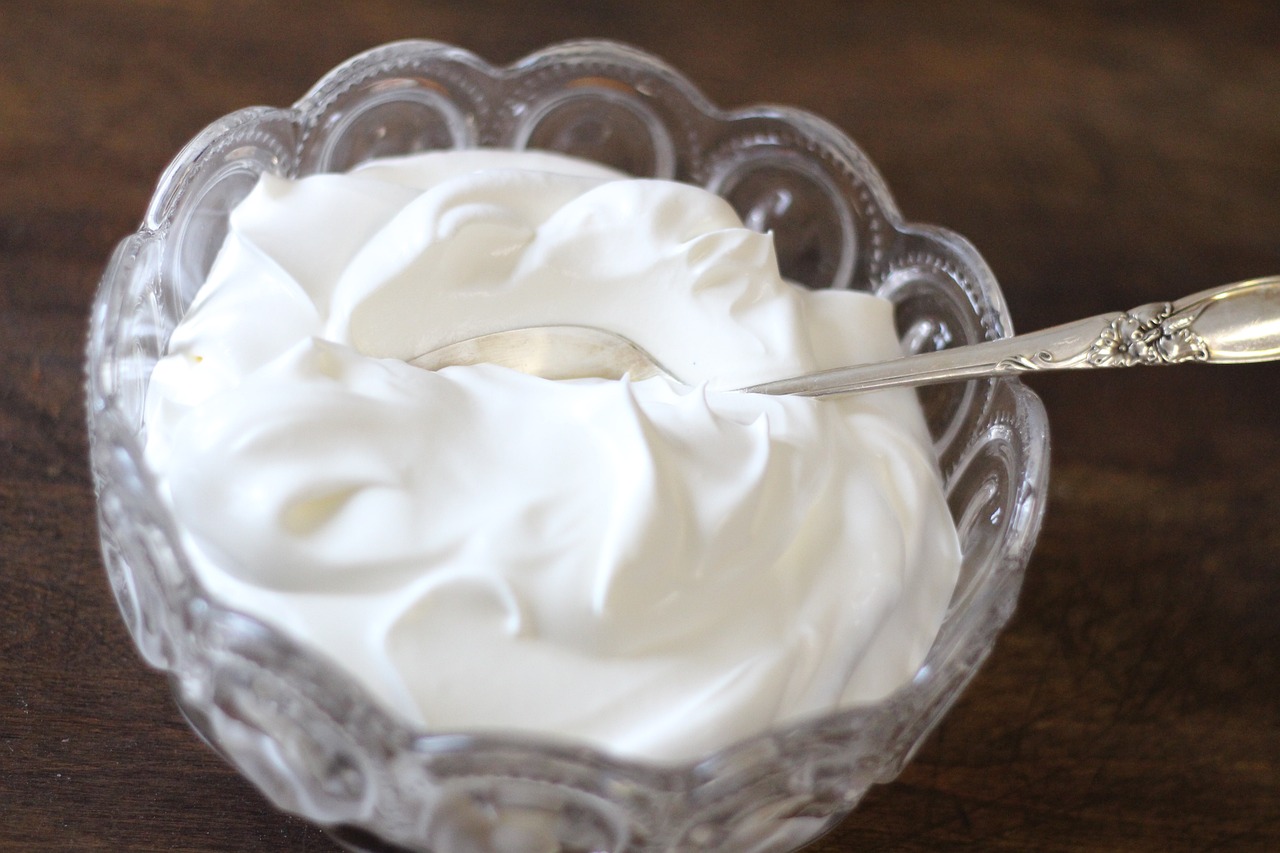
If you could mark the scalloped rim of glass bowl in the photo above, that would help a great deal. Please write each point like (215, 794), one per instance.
(192, 619)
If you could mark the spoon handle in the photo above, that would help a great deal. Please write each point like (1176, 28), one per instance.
(1235, 323)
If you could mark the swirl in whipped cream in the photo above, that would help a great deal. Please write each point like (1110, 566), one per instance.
(655, 568)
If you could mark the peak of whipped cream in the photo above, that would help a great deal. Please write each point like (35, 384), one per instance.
(656, 569)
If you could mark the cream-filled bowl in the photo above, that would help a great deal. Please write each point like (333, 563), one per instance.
(320, 743)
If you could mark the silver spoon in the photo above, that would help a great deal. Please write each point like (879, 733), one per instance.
(1235, 323)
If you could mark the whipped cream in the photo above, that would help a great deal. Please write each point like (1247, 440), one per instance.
(655, 568)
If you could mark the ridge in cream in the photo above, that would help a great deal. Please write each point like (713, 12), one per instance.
(654, 568)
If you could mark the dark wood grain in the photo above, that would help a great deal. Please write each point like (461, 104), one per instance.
(1100, 156)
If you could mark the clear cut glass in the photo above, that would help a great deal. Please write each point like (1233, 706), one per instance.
(301, 731)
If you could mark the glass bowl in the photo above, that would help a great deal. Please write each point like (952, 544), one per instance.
(301, 731)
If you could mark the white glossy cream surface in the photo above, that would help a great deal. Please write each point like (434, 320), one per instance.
(658, 569)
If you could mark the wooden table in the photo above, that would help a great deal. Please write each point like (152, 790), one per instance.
(1099, 157)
